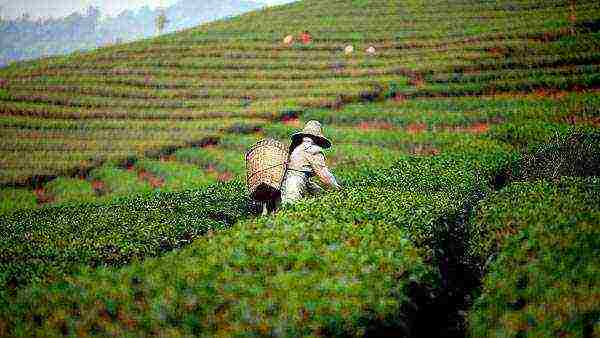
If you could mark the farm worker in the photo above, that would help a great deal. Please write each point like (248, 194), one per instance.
(371, 50)
(305, 37)
(349, 49)
(306, 160)
(288, 40)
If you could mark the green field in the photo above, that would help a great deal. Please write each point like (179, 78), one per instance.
(468, 147)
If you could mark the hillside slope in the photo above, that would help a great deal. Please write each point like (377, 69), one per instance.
(105, 104)
(26, 39)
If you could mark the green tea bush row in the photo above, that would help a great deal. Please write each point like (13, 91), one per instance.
(334, 265)
(528, 134)
(221, 160)
(12, 199)
(541, 242)
(54, 240)
(283, 276)
(119, 182)
(119, 93)
(63, 189)
(575, 154)
(176, 175)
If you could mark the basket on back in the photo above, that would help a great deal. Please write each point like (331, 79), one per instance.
(266, 163)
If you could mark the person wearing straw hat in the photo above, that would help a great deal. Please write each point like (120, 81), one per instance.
(306, 160)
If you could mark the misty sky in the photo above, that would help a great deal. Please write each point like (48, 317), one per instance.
(58, 8)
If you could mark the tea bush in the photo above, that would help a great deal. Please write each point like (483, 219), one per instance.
(267, 277)
(118, 182)
(338, 264)
(65, 189)
(495, 161)
(576, 154)
(176, 175)
(544, 280)
(221, 160)
(54, 240)
(12, 199)
(239, 142)
(528, 134)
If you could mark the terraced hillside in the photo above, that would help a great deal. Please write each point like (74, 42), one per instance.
(468, 147)
(63, 116)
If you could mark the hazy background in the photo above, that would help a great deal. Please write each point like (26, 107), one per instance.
(60, 8)
(32, 29)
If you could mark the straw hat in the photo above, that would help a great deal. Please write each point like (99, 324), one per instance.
(371, 50)
(349, 49)
(288, 39)
(312, 129)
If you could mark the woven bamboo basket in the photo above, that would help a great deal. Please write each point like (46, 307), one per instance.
(266, 163)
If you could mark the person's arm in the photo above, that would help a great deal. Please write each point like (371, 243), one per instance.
(327, 177)
(317, 161)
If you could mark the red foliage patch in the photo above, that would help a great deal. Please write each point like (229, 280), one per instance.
(399, 98)
(575, 119)
(479, 127)
(154, 181)
(377, 125)
(225, 177)
(475, 128)
(420, 149)
(496, 51)
(415, 128)
(42, 196)
(417, 81)
(552, 93)
(210, 168)
(98, 186)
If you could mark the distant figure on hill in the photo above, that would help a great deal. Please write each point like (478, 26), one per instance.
(349, 50)
(305, 37)
(371, 50)
(288, 40)
(306, 160)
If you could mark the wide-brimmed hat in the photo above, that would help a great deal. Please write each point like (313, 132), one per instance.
(312, 129)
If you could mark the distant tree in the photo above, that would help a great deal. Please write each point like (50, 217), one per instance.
(161, 21)
(92, 21)
(93, 16)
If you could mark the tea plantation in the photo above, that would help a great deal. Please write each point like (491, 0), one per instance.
(467, 145)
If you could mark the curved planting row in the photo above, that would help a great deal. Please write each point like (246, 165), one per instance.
(347, 263)
(544, 278)
(45, 243)
(536, 242)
